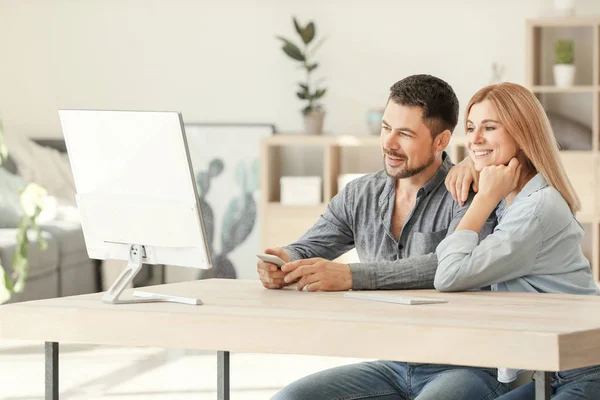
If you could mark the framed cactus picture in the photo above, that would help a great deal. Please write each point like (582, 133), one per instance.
(225, 158)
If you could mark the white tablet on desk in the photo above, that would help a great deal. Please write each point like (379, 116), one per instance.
(387, 298)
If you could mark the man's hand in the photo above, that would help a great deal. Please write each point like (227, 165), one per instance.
(318, 274)
(459, 180)
(269, 274)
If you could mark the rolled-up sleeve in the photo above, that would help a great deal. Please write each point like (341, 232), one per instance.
(415, 272)
(508, 253)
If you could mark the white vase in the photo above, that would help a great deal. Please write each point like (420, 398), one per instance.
(564, 75)
(564, 7)
(313, 122)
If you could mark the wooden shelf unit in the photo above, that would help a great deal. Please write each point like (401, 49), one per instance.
(582, 166)
(283, 224)
(572, 89)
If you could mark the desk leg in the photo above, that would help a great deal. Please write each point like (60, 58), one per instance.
(51, 353)
(223, 375)
(543, 391)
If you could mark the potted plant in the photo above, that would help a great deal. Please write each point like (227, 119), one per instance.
(32, 198)
(313, 112)
(564, 68)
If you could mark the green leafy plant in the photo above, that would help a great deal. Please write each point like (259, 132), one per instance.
(32, 199)
(304, 55)
(565, 52)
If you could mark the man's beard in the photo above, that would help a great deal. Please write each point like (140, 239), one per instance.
(407, 173)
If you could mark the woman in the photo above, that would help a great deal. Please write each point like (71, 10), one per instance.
(536, 244)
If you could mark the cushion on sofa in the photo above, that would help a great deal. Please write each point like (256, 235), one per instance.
(43, 165)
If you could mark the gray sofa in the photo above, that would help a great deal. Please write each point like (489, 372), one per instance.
(63, 268)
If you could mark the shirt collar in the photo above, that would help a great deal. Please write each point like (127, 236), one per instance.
(439, 176)
(538, 182)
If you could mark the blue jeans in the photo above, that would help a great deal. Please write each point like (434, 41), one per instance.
(388, 380)
(574, 384)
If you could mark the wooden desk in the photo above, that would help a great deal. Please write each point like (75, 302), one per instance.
(514, 330)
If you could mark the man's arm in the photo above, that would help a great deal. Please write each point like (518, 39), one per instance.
(460, 179)
(330, 237)
(416, 272)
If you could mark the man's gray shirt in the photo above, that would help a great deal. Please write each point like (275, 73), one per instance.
(361, 216)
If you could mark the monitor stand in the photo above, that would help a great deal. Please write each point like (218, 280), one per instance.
(136, 256)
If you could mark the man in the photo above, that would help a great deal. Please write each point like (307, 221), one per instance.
(395, 218)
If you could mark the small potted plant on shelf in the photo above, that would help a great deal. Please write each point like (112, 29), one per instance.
(309, 90)
(564, 68)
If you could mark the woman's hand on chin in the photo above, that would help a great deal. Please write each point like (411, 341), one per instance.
(497, 181)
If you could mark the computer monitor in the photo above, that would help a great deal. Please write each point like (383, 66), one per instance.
(136, 193)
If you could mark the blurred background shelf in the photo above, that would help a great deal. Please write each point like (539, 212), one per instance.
(574, 111)
(573, 89)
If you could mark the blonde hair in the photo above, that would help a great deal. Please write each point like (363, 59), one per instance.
(525, 120)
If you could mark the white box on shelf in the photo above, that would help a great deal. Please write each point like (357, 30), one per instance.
(300, 190)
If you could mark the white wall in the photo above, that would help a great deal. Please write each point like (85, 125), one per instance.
(219, 60)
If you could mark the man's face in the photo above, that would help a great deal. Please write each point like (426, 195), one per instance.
(406, 142)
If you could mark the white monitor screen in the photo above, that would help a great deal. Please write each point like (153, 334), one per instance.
(135, 186)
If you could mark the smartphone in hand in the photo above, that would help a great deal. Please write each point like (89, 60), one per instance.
(271, 259)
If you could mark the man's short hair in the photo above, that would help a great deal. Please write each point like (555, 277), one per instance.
(436, 98)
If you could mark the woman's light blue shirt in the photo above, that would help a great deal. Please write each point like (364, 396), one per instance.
(536, 247)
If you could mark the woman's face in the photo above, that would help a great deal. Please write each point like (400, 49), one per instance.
(488, 142)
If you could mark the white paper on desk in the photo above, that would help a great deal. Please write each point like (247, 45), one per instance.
(411, 301)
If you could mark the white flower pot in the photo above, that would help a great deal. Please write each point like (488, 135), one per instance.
(564, 75)
(564, 7)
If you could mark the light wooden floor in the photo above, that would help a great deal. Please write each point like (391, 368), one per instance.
(119, 373)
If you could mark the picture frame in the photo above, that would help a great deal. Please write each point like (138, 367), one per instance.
(226, 162)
